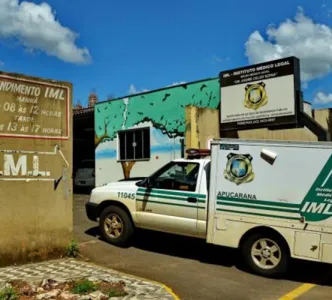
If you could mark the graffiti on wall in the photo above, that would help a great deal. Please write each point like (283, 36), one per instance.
(163, 110)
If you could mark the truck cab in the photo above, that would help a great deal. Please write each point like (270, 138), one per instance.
(173, 200)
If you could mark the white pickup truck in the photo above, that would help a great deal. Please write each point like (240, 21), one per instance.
(270, 199)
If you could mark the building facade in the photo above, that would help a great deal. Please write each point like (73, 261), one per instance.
(137, 134)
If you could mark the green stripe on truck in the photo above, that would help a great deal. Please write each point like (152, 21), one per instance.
(258, 207)
(263, 202)
(181, 194)
(166, 197)
(170, 203)
(257, 214)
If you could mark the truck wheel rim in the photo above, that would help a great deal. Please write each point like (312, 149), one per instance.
(113, 226)
(266, 254)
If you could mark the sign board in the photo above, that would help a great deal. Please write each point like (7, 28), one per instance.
(33, 109)
(261, 95)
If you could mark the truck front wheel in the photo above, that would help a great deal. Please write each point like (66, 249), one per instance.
(266, 254)
(116, 226)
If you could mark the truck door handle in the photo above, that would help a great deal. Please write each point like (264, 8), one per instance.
(192, 199)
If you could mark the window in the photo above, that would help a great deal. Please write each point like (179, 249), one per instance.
(134, 144)
(177, 176)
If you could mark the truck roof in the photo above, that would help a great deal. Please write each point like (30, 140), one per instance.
(269, 142)
(201, 160)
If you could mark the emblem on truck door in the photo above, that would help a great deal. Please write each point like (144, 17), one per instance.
(255, 96)
(239, 168)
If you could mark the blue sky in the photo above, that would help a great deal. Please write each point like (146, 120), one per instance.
(124, 46)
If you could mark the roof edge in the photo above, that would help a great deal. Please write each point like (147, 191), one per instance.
(158, 90)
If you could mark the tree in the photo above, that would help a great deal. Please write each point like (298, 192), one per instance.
(109, 119)
(126, 168)
(163, 108)
(104, 136)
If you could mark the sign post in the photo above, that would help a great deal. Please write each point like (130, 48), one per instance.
(261, 95)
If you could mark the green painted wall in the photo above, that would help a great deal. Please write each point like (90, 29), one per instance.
(164, 108)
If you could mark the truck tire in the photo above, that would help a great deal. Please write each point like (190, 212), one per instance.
(265, 254)
(116, 226)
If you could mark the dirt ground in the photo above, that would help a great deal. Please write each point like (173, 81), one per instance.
(194, 269)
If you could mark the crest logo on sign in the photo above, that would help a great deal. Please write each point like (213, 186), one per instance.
(255, 96)
(239, 168)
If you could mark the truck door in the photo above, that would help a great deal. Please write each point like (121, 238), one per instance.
(171, 202)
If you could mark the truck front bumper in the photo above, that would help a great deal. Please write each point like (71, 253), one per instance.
(92, 211)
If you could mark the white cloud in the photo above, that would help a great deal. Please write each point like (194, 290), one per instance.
(322, 98)
(133, 90)
(177, 83)
(36, 28)
(309, 41)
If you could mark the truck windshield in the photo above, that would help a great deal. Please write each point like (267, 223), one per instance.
(177, 176)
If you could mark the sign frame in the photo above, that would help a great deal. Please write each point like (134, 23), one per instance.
(48, 83)
(281, 122)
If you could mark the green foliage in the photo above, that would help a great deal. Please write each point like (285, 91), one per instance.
(164, 108)
(84, 286)
(116, 293)
(110, 113)
(8, 293)
(72, 249)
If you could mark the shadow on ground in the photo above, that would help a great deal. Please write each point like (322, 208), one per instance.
(179, 246)
(197, 249)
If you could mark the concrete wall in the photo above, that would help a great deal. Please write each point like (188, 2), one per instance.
(297, 134)
(35, 168)
(322, 116)
(203, 124)
(307, 108)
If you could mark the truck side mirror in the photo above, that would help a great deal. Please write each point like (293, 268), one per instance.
(149, 182)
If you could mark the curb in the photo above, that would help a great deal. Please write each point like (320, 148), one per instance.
(167, 288)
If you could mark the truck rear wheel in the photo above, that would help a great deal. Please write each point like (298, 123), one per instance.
(116, 226)
(266, 254)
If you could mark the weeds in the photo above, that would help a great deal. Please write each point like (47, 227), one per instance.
(8, 293)
(21, 290)
(72, 249)
(116, 293)
(83, 287)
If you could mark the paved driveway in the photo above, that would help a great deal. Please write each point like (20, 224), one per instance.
(196, 270)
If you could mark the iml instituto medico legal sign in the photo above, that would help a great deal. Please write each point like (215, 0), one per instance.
(33, 108)
(262, 95)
